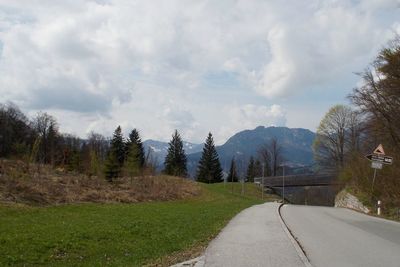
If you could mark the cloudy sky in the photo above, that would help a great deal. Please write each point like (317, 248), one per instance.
(196, 66)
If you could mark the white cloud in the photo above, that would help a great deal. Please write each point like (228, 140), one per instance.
(315, 47)
(249, 116)
(146, 64)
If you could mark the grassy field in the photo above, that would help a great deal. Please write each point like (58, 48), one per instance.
(155, 233)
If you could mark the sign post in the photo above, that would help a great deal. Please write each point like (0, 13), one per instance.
(378, 158)
(373, 180)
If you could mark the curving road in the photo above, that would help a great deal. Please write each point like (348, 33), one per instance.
(341, 237)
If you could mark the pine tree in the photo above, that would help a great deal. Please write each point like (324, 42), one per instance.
(132, 163)
(175, 161)
(134, 138)
(118, 145)
(75, 161)
(232, 176)
(94, 163)
(116, 156)
(209, 169)
(112, 167)
(251, 170)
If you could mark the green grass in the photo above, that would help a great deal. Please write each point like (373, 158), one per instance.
(116, 234)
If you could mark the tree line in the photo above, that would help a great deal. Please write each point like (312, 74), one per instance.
(38, 140)
(347, 133)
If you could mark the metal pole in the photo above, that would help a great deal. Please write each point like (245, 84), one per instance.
(244, 186)
(226, 178)
(283, 181)
(262, 183)
(233, 174)
(373, 182)
(232, 184)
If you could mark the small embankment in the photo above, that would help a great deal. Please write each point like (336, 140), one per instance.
(43, 185)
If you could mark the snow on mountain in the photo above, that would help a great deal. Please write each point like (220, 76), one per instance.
(159, 149)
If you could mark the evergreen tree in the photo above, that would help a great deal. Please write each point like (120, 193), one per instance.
(132, 163)
(232, 176)
(209, 169)
(118, 145)
(134, 138)
(116, 156)
(94, 163)
(251, 170)
(175, 161)
(75, 161)
(112, 167)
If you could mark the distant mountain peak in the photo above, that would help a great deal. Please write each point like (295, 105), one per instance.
(296, 143)
(160, 148)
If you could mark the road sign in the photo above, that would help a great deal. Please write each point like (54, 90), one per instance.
(376, 165)
(387, 160)
(379, 150)
(380, 158)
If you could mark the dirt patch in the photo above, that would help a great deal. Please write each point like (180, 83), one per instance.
(43, 185)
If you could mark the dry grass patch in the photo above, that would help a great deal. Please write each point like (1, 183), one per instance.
(45, 186)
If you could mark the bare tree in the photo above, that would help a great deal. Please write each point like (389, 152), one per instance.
(151, 162)
(265, 158)
(356, 128)
(276, 155)
(98, 144)
(338, 133)
(379, 96)
(271, 156)
(47, 128)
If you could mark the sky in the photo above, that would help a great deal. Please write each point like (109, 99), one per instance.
(195, 66)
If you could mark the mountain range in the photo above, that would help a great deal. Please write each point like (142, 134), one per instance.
(296, 144)
(159, 149)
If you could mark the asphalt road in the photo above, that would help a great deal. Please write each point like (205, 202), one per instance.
(341, 237)
(254, 237)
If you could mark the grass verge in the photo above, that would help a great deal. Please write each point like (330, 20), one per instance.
(155, 233)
